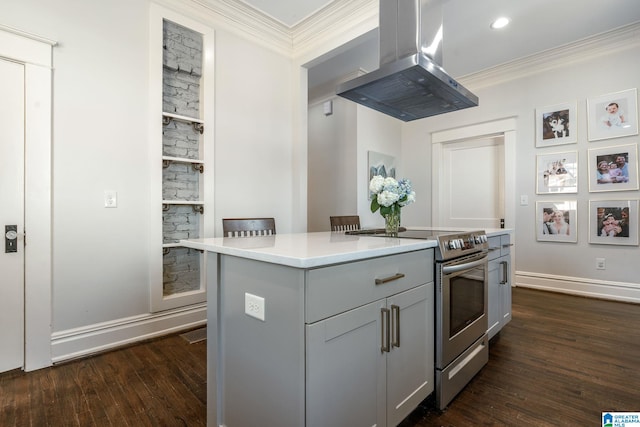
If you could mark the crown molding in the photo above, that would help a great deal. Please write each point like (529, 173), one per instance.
(335, 22)
(588, 49)
(340, 20)
(344, 20)
(238, 18)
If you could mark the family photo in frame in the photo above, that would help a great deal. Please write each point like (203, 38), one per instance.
(613, 168)
(557, 221)
(556, 125)
(557, 173)
(613, 222)
(613, 115)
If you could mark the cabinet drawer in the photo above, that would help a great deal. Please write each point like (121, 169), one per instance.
(494, 247)
(505, 244)
(335, 289)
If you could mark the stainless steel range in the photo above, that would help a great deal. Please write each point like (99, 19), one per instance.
(461, 289)
(462, 344)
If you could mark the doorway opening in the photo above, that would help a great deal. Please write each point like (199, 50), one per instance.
(473, 169)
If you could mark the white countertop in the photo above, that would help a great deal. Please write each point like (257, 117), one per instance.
(308, 250)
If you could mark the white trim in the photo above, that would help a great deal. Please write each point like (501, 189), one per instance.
(156, 16)
(78, 342)
(26, 35)
(338, 24)
(24, 47)
(604, 289)
(505, 127)
(588, 49)
(36, 54)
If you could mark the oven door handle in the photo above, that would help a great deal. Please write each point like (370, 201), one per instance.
(448, 269)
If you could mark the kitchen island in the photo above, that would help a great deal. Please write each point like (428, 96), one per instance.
(317, 329)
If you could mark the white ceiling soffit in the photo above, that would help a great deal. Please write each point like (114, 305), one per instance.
(288, 12)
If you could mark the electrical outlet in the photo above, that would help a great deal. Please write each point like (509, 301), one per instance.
(110, 199)
(601, 264)
(254, 306)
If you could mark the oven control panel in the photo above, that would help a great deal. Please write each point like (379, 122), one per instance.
(458, 244)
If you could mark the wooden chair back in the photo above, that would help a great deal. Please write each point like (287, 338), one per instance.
(248, 227)
(345, 223)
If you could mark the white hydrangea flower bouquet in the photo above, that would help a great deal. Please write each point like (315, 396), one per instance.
(388, 196)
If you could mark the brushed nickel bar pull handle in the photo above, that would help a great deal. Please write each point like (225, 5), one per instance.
(460, 267)
(384, 315)
(389, 279)
(396, 339)
(505, 272)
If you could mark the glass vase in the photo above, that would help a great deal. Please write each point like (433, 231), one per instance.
(392, 222)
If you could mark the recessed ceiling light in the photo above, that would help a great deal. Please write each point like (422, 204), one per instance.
(500, 23)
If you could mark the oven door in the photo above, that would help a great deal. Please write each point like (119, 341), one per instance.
(461, 306)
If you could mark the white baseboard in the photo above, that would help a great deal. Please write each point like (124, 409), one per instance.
(618, 291)
(79, 342)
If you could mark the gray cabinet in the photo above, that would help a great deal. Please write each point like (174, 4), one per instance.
(371, 365)
(499, 310)
(317, 357)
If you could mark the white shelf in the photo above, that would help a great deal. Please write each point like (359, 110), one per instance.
(182, 118)
(182, 202)
(173, 245)
(182, 159)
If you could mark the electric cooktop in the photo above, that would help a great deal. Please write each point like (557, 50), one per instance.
(451, 243)
(406, 233)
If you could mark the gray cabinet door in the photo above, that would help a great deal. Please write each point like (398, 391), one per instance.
(345, 369)
(351, 381)
(499, 310)
(505, 285)
(410, 372)
(494, 297)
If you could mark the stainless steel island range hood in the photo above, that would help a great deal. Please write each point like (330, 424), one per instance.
(410, 83)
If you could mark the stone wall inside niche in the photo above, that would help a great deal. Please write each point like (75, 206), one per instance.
(181, 76)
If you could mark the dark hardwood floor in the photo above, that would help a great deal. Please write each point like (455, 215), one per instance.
(156, 383)
(562, 361)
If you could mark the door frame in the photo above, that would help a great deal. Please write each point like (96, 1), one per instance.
(36, 54)
(502, 127)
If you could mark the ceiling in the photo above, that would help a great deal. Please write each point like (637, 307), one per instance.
(469, 44)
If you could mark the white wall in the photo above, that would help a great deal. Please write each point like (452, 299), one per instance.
(253, 147)
(332, 149)
(336, 144)
(383, 134)
(594, 71)
(100, 142)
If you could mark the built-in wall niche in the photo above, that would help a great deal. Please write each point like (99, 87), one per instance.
(182, 151)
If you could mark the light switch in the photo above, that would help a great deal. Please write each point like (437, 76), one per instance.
(524, 200)
(328, 108)
(110, 199)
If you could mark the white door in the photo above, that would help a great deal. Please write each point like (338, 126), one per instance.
(471, 183)
(11, 213)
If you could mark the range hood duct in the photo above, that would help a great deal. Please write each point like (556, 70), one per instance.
(410, 83)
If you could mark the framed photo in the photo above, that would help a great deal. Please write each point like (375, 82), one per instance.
(556, 125)
(557, 173)
(557, 221)
(613, 168)
(380, 164)
(613, 115)
(613, 222)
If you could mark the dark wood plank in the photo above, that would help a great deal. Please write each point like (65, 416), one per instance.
(562, 360)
